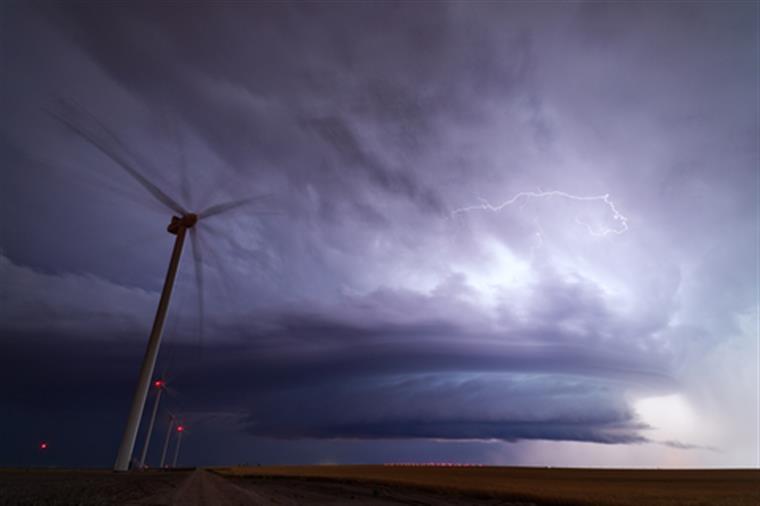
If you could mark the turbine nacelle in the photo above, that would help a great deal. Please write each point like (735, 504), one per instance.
(186, 221)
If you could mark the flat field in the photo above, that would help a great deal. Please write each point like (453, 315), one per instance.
(86, 487)
(380, 486)
(546, 485)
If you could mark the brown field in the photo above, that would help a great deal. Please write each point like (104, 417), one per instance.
(380, 486)
(548, 486)
(63, 487)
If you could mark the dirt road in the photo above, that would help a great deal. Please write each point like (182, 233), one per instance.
(200, 488)
(204, 488)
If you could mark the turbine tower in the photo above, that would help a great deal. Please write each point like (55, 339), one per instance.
(167, 440)
(97, 134)
(160, 385)
(180, 431)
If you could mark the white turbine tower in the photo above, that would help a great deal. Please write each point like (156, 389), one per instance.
(160, 386)
(180, 430)
(181, 222)
(168, 438)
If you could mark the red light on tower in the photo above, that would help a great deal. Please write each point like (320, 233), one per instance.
(43, 445)
(180, 428)
(158, 383)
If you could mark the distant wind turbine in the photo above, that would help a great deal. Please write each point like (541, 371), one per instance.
(97, 134)
(180, 431)
(168, 438)
(160, 385)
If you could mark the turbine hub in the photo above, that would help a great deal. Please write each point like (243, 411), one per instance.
(186, 221)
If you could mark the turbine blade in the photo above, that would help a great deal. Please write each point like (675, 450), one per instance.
(228, 206)
(179, 143)
(219, 266)
(118, 158)
(198, 261)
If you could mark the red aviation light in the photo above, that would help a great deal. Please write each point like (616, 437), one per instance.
(159, 384)
(180, 428)
(43, 445)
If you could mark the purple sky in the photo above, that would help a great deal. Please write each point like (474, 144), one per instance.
(509, 233)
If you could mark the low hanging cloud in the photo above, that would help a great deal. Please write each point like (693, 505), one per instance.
(455, 406)
(362, 372)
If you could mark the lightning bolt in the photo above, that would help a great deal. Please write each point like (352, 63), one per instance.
(525, 196)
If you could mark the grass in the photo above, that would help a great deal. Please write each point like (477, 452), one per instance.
(549, 486)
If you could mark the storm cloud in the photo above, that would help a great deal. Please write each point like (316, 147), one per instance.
(378, 291)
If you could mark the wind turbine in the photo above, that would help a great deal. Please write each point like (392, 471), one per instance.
(166, 441)
(180, 430)
(160, 385)
(182, 220)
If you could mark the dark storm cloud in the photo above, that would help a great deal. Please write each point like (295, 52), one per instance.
(191, 81)
(320, 395)
(337, 134)
(310, 375)
(419, 407)
(365, 310)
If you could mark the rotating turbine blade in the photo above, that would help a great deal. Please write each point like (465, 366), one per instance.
(222, 274)
(179, 143)
(228, 206)
(120, 160)
(198, 262)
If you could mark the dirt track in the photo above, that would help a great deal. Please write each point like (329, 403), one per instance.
(206, 488)
(297, 491)
(203, 488)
